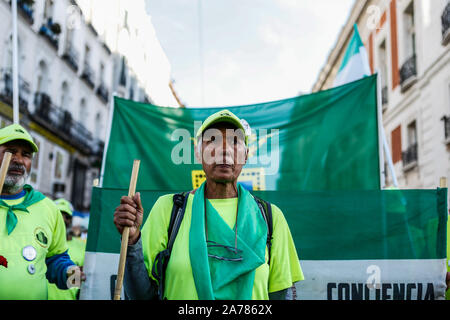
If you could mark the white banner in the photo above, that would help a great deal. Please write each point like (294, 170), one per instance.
(372, 280)
(324, 279)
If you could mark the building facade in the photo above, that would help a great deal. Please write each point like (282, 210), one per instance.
(408, 45)
(68, 72)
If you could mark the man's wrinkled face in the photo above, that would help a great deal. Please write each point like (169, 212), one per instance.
(19, 167)
(223, 152)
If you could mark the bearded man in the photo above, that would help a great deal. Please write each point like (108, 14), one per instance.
(32, 230)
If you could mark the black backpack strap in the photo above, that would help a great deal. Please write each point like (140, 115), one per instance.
(162, 258)
(266, 210)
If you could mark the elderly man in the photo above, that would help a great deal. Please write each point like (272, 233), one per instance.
(32, 233)
(222, 249)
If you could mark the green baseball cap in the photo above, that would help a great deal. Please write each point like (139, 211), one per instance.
(225, 116)
(64, 206)
(16, 132)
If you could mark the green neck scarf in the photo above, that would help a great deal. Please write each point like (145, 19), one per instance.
(31, 197)
(219, 279)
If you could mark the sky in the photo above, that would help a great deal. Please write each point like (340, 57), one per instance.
(248, 51)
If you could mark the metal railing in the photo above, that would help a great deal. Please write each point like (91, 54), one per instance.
(6, 88)
(410, 156)
(88, 75)
(26, 10)
(61, 123)
(446, 127)
(408, 72)
(71, 56)
(445, 19)
(102, 92)
(46, 31)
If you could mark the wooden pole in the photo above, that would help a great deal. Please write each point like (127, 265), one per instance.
(4, 169)
(125, 235)
(443, 182)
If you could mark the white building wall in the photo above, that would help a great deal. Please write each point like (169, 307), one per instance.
(426, 102)
(96, 24)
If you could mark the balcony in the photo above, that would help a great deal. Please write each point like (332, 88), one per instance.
(446, 129)
(61, 123)
(102, 92)
(26, 10)
(408, 73)
(88, 75)
(51, 31)
(6, 89)
(409, 157)
(446, 25)
(71, 57)
(96, 157)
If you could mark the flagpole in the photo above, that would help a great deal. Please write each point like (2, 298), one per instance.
(200, 45)
(15, 71)
(385, 152)
(108, 135)
(380, 132)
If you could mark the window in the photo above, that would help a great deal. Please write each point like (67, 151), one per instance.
(412, 134)
(35, 166)
(87, 54)
(59, 164)
(409, 31)
(69, 38)
(102, 72)
(123, 73)
(48, 9)
(9, 56)
(83, 112)
(409, 157)
(383, 68)
(131, 89)
(98, 125)
(65, 96)
(42, 77)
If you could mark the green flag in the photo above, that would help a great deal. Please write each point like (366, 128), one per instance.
(322, 141)
(355, 64)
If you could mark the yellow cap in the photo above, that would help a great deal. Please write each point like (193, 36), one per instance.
(64, 206)
(16, 132)
(225, 116)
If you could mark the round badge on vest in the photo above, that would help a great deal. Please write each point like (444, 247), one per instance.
(29, 253)
(31, 269)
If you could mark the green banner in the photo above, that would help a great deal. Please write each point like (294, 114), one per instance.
(322, 141)
(385, 224)
(367, 244)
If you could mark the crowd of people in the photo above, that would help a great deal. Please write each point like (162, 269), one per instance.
(215, 242)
